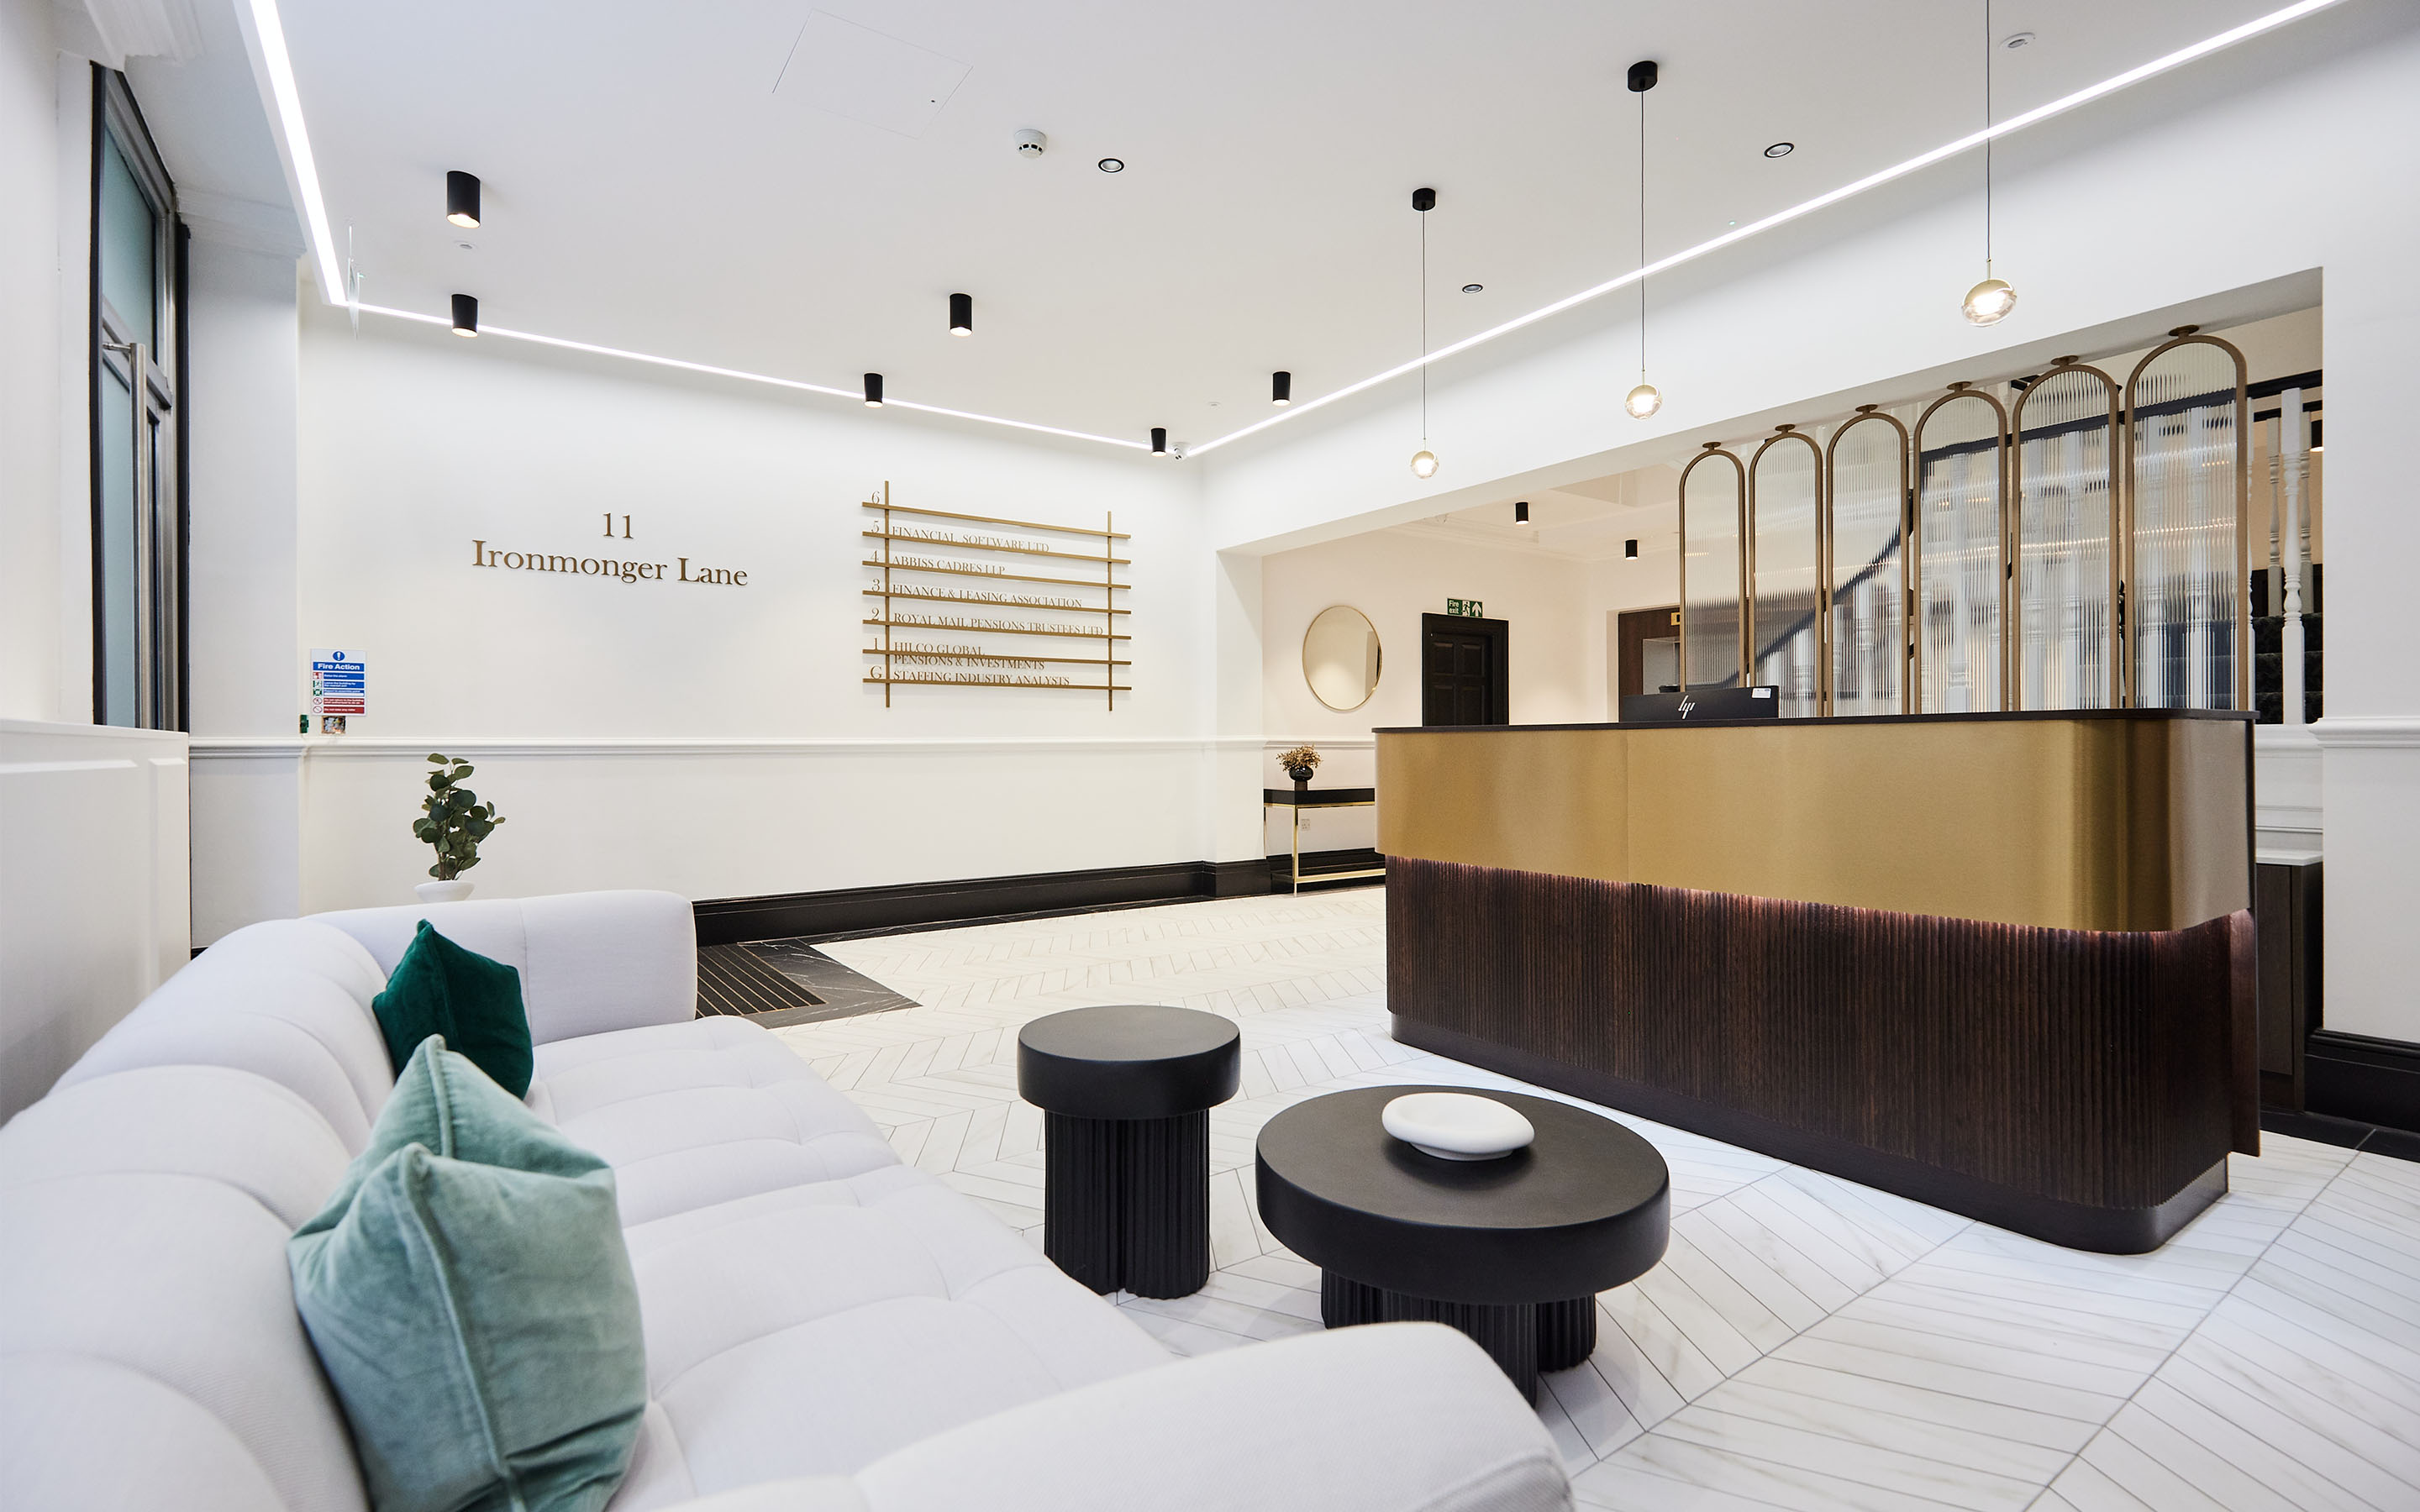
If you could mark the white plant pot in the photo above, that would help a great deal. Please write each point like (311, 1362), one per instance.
(444, 892)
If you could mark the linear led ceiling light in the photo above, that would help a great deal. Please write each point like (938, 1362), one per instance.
(275, 68)
(462, 198)
(1850, 191)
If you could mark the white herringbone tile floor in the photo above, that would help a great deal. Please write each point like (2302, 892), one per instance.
(1807, 1343)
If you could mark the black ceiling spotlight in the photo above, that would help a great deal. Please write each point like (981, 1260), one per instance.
(1630, 548)
(465, 314)
(1424, 200)
(462, 198)
(1642, 76)
(1159, 440)
(962, 314)
(1781, 149)
(1521, 513)
(873, 390)
(1282, 387)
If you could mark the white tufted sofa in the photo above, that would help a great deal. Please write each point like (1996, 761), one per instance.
(825, 1328)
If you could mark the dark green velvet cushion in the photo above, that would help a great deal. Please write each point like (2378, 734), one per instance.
(470, 1296)
(475, 1003)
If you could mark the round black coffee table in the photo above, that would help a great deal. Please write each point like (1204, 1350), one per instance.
(1513, 1252)
(1126, 1094)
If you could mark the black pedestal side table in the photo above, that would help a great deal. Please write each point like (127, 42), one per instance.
(1126, 1094)
(1513, 1252)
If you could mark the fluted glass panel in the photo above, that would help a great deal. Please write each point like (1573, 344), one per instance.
(2067, 623)
(1781, 517)
(1866, 498)
(1712, 502)
(1958, 570)
(2182, 590)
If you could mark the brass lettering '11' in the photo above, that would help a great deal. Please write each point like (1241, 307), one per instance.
(483, 555)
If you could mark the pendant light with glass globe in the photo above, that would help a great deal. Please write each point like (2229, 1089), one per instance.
(1424, 462)
(1989, 301)
(1643, 400)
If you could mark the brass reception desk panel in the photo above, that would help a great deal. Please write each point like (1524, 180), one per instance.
(1999, 965)
(2133, 820)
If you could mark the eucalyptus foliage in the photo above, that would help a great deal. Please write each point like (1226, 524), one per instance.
(455, 821)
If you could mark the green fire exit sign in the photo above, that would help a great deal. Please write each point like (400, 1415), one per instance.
(1469, 609)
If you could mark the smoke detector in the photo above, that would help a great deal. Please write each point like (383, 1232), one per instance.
(1030, 143)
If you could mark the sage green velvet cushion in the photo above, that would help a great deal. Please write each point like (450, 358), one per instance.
(475, 1003)
(470, 1296)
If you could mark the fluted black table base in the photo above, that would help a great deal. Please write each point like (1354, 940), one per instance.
(1523, 1337)
(1126, 1092)
(1126, 1202)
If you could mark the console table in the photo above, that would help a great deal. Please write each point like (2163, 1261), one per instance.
(1295, 800)
(2002, 964)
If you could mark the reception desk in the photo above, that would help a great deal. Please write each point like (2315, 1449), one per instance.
(2001, 963)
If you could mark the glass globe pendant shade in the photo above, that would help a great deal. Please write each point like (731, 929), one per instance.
(1989, 301)
(1642, 401)
(1424, 463)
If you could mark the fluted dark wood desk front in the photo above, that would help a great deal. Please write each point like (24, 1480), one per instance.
(2000, 963)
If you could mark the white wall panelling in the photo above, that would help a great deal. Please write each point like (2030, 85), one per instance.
(709, 818)
(93, 896)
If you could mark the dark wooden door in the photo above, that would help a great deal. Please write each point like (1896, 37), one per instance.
(1463, 670)
(1632, 630)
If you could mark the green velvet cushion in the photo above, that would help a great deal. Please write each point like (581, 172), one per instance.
(470, 1298)
(475, 1003)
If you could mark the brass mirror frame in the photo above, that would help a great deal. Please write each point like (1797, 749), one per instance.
(1826, 538)
(2003, 533)
(1739, 505)
(2241, 616)
(2011, 639)
(1374, 678)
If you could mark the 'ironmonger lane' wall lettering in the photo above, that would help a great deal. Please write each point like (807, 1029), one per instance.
(679, 569)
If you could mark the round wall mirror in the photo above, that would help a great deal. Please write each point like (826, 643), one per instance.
(1340, 658)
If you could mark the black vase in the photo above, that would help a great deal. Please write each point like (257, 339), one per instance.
(1301, 776)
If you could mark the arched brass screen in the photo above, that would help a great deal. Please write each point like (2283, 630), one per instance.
(1960, 553)
(2187, 441)
(1785, 490)
(1865, 567)
(1714, 504)
(2067, 535)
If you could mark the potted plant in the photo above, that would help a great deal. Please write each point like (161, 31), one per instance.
(1299, 764)
(452, 821)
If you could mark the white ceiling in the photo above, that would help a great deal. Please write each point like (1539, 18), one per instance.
(648, 187)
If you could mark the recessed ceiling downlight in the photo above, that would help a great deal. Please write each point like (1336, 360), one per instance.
(1781, 149)
(1111, 165)
(2016, 39)
(1474, 289)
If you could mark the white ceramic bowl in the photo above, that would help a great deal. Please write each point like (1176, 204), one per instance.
(1456, 1125)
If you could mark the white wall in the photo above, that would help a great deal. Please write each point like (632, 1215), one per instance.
(2224, 193)
(717, 741)
(93, 894)
(1394, 576)
(245, 635)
